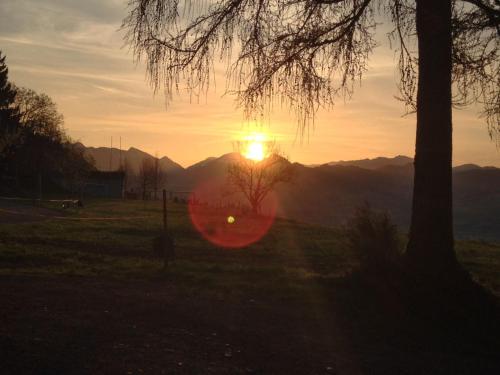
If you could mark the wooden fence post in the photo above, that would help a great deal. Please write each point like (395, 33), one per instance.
(165, 211)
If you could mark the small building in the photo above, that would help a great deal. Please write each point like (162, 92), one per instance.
(105, 184)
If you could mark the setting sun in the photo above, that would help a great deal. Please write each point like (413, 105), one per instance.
(255, 147)
(255, 151)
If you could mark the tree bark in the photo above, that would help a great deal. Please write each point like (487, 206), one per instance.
(431, 247)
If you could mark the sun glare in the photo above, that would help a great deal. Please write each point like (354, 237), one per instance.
(255, 151)
(255, 147)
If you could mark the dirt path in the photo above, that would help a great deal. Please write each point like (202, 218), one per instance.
(73, 326)
(12, 211)
(112, 328)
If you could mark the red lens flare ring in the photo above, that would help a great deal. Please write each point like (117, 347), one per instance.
(229, 224)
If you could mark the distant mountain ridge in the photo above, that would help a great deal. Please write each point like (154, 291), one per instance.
(328, 194)
(110, 159)
(375, 163)
(103, 155)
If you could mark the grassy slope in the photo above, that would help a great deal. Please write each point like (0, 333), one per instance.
(295, 252)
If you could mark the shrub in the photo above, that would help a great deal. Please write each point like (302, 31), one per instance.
(373, 238)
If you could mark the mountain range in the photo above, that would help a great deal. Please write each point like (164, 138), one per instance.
(375, 163)
(110, 159)
(327, 194)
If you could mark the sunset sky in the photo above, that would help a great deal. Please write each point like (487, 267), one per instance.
(73, 51)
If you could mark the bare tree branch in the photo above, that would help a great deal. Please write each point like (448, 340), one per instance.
(256, 179)
(304, 54)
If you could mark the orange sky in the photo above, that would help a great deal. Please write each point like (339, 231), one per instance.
(72, 50)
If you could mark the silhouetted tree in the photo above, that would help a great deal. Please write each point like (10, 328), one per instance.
(38, 114)
(8, 113)
(33, 141)
(42, 136)
(75, 167)
(9, 118)
(151, 177)
(308, 52)
(256, 179)
(146, 176)
(159, 176)
(128, 172)
(42, 148)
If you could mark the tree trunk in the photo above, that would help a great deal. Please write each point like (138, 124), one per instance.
(255, 207)
(430, 247)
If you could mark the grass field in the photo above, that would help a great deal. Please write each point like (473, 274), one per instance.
(87, 296)
(121, 246)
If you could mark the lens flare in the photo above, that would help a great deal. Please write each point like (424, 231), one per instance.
(227, 225)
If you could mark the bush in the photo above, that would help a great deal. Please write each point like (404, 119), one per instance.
(373, 238)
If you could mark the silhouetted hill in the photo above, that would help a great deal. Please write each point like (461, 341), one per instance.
(202, 163)
(376, 163)
(328, 194)
(466, 167)
(477, 202)
(107, 158)
(211, 169)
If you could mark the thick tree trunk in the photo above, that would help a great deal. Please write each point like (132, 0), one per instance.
(431, 233)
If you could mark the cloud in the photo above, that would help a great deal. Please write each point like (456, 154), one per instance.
(56, 16)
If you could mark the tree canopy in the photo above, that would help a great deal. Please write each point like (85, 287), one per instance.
(38, 114)
(306, 53)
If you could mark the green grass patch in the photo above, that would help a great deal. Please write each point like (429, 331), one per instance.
(291, 255)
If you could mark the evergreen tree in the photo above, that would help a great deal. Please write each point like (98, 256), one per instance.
(8, 113)
(9, 117)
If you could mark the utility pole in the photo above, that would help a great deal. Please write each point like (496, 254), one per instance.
(165, 226)
(111, 155)
(166, 240)
(121, 160)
